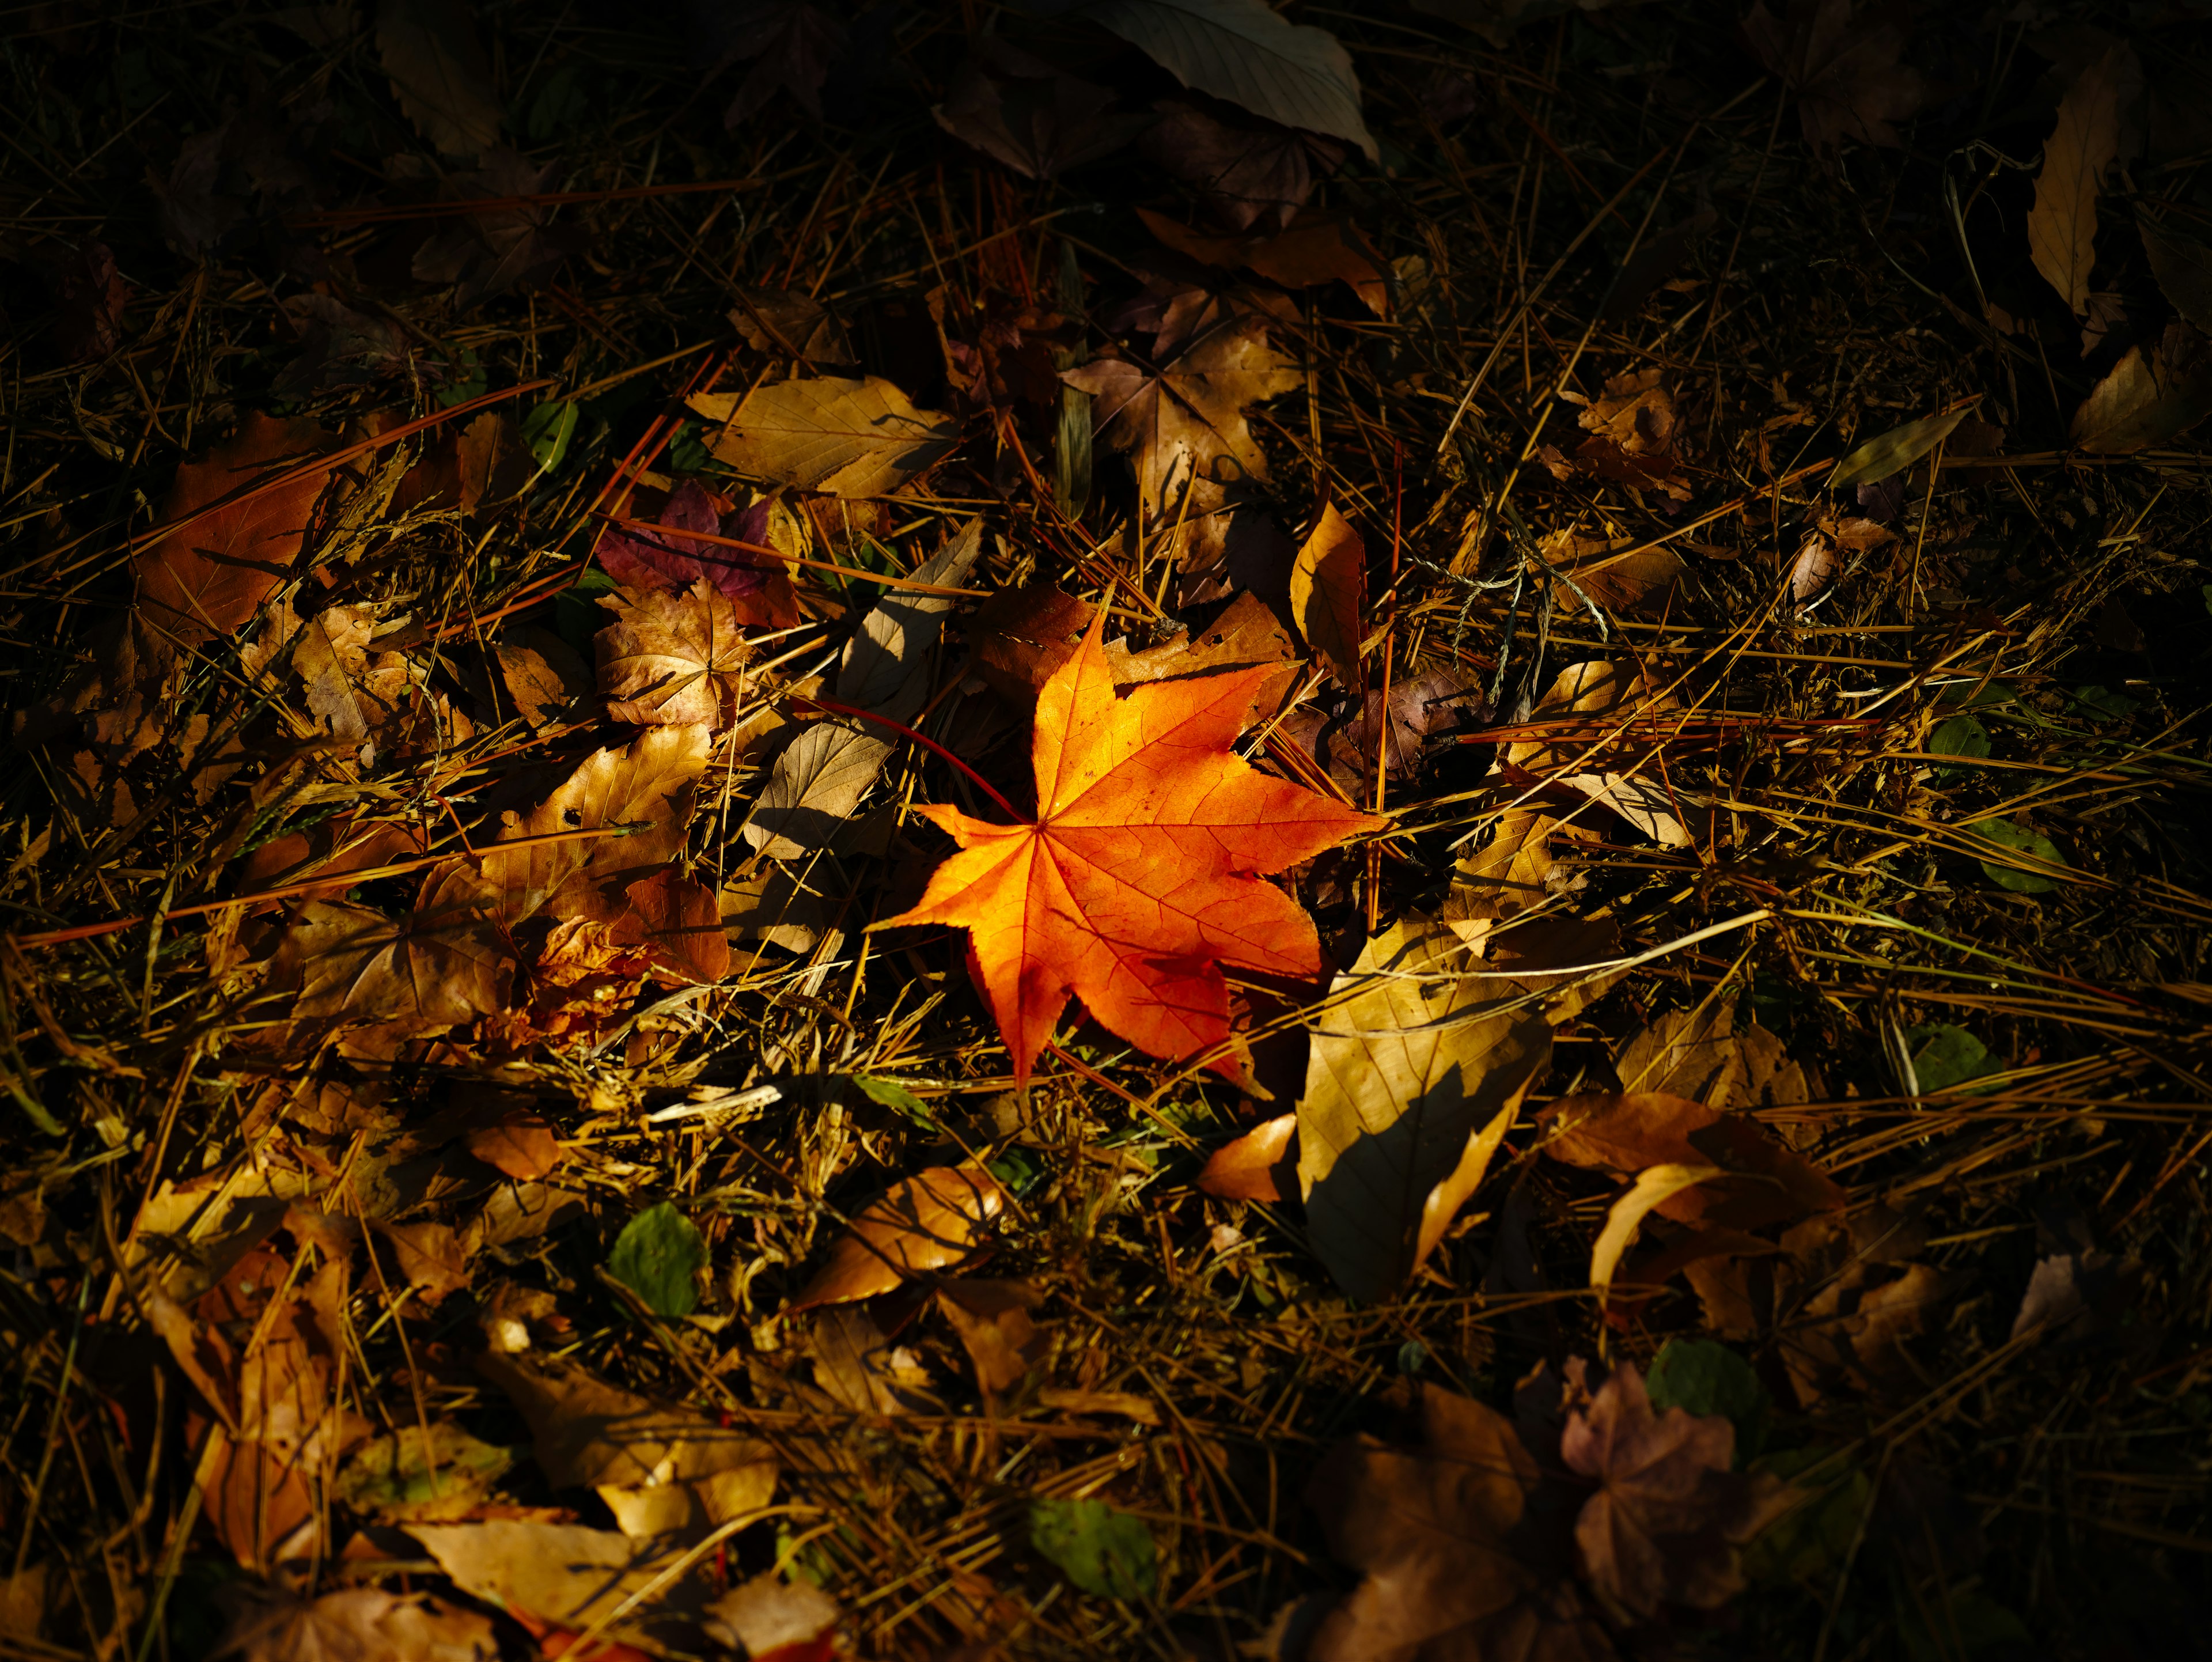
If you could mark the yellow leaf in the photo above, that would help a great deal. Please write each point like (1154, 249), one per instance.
(1653, 1187)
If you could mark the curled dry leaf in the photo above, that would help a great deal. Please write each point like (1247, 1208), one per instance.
(923, 1223)
(1141, 873)
(1411, 1086)
(1764, 1183)
(672, 658)
(1669, 1516)
(844, 436)
(1653, 1186)
(209, 575)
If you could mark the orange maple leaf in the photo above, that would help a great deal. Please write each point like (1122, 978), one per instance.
(1140, 875)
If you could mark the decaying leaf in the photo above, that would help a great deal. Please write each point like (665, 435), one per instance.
(1313, 248)
(843, 436)
(1328, 594)
(923, 1223)
(1037, 119)
(672, 657)
(1843, 60)
(1669, 1516)
(355, 1624)
(1141, 873)
(208, 576)
(1411, 1086)
(442, 963)
(993, 1320)
(439, 72)
(1765, 1181)
(678, 554)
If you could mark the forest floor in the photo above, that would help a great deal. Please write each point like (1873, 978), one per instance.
(1561, 1012)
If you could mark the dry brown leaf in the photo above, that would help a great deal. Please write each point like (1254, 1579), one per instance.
(677, 920)
(789, 323)
(1437, 1531)
(2062, 226)
(206, 578)
(519, 1144)
(769, 1617)
(857, 1364)
(1844, 68)
(1614, 573)
(442, 965)
(1669, 1516)
(672, 657)
(565, 1574)
(1252, 1167)
(1328, 595)
(647, 784)
(439, 73)
(993, 1320)
(1315, 248)
(843, 436)
(1021, 635)
(1627, 1134)
(928, 1220)
(1188, 421)
(1409, 1087)
(353, 1624)
(2147, 401)
(431, 1259)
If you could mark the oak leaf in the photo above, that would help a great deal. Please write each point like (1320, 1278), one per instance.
(1141, 874)
(1669, 1516)
(207, 576)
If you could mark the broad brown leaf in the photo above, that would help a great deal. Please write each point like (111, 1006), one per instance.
(1316, 248)
(2149, 400)
(993, 1320)
(206, 578)
(847, 437)
(1631, 1132)
(2062, 226)
(646, 785)
(1844, 68)
(1669, 1516)
(1438, 1531)
(925, 1222)
(441, 965)
(353, 1624)
(672, 657)
(1141, 873)
(1328, 595)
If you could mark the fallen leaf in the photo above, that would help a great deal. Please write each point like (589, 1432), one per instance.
(676, 557)
(773, 906)
(1328, 595)
(678, 920)
(519, 1144)
(2184, 270)
(646, 785)
(566, 1574)
(993, 1320)
(770, 1619)
(681, 1467)
(1313, 248)
(442, 965)
(1102, 1552)
(2062, 225)
(1242, 52)
(672, 658)
(1616, 574)
(922, 1223)
(1021, 636)
(791, 45)
(1647, 806)
(2147, 401)
(1142, 872)
(843, 436)
(1435, 1532)
(207, 577)
(1248, 173)
(1653, 1186)
(658, 1256)
(1813, 570)
(1251, 1167)
(821, 776)
(413, 1476)
(353, 1624)
(2073, 1296)
(439, 73)
(1188, 420)
(1762, 1183)
(90, 296)
(1038, 119)
(790, 323)
(1411, 1086)
(507, 244)
(1842, 61)
(1895, 450)
(1349, 742)
(1669, 1518)
(542, 676)
(2036, 856)
(857, 1364)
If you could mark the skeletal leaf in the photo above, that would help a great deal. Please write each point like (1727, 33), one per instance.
(1409, 1087)
(843, 436)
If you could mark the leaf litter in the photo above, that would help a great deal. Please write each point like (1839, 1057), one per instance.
(1165, 827)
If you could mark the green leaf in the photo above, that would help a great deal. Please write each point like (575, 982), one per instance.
(408, 1478)
(2007, 834)
(1017, 1174)
(471, 385)
(576, 614)
(1100, 1550)
(658, 1256)
(1702, 1376)
(547, 430)
(1946, 1058)
(1895, 450)
(890, 1093)
(1808, 1544)
(1961, 735)
(2103, 704)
